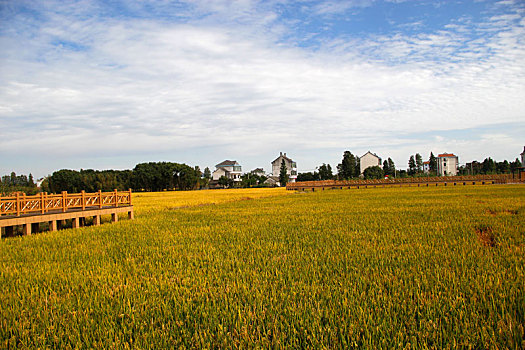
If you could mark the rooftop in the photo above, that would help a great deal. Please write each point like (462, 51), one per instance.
(227, 163)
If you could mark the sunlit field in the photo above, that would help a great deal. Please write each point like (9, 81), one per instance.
(157, 201)
(370, 268)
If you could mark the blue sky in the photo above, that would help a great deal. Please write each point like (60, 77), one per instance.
(109, 84)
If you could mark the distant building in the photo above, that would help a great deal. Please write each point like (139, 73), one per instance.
(426, 167)
(368, 160)
(229, 168)
(272, 180)
(447, 164)
(523, 157)
(258, 172)
(291, 167)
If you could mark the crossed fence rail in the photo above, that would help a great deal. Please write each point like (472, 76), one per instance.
(43, 203)
(497, 179)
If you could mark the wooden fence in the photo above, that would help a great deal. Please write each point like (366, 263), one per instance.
(472, 179)
(44, 203)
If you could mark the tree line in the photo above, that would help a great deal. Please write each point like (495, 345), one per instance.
(17, 183)
(153, 176)
(349, 168)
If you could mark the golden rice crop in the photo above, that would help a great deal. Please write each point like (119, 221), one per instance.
(374, 268)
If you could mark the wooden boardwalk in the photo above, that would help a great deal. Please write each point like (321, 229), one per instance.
(30, 211)
(409, 182)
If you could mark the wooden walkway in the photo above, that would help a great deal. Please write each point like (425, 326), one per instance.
(408, 182)
(30, 211)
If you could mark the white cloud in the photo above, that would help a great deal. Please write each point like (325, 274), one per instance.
(143, 85)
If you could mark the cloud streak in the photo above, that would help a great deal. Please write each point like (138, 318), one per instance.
(76, 83)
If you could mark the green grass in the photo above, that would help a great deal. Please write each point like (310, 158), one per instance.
(375, 268)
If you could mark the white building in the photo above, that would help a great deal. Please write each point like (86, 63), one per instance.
(258, 172)
(291, 167)
(368, 160)
(229, 168)
(447, 164)
(426, 167)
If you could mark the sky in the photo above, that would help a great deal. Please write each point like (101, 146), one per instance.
(109, 84)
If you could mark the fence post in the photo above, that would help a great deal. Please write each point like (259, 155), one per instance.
(99, 199)
(83, 199)
(130, 196)
(42, 202)
(64, 199)
(116, 198)
(17, 204)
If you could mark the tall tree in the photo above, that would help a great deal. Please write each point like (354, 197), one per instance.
(283, 174)
(488, 166)
(412, 166)
(207, 173)
(419, 163)
(347, 168)
(432, 163)
(325, 172)
(391, 166)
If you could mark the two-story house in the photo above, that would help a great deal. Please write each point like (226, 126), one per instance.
(229, 168)
(447, 164)
(368, 160)
(291, 167)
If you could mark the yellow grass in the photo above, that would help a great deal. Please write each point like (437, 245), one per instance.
(159, 201)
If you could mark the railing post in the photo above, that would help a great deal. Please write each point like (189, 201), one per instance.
(130, 196)
(83, 200)
(45, 201)
(116, 198)
(99, 199)
(42, 202)
(17, 204)
(64, 199)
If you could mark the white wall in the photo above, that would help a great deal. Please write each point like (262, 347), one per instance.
(367, 161)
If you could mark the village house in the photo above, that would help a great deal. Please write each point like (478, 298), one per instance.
(447, 164)
(426, 167)
(258, 172)
(229, 168)
(291, 167)
(368, 160)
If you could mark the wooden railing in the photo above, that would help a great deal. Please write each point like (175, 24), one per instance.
(43, 202)
(500, 179)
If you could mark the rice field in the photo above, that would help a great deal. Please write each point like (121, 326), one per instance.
(376, 268)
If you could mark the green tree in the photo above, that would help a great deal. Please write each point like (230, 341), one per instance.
(207, 173)
(373, 172)
(325, 172)
(283, 174)
(412, 166)
(432, 163)
(347, 168)
(225, 182)
(419, 163)
(503, 167)
(308, 176)
(488, 166)
(515, 165)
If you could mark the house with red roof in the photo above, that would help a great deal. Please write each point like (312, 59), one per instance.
(447, 164)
